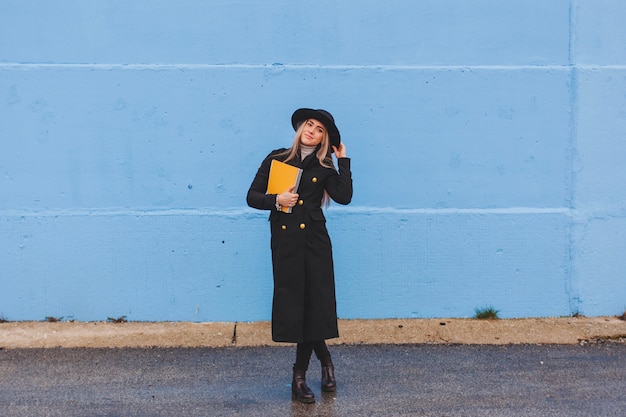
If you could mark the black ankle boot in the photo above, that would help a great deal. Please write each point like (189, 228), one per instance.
(299, 388)
(329, 384)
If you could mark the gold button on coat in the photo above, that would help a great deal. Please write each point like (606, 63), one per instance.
(300, 202)
(314, 179)
(302, 225)
(283, 227)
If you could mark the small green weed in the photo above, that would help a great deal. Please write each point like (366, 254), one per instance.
(486, 313)
(117, 320)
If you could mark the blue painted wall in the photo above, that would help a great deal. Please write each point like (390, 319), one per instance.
(487, 140)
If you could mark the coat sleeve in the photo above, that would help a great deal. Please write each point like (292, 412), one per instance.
(256, 197)
(339, 187)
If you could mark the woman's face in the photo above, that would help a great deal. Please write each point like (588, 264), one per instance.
(313, 133)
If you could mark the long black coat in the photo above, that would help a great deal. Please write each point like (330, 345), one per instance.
(304, 304)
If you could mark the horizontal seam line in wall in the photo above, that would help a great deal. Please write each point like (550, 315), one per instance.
(238, 212)
(504, 210)
(106, 67)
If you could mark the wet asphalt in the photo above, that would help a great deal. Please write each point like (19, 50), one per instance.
(373, 380)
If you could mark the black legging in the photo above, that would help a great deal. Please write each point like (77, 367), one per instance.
(304, 351)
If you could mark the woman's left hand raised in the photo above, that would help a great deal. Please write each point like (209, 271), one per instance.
(340, 152)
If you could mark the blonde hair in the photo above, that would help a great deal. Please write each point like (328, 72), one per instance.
(323, 154)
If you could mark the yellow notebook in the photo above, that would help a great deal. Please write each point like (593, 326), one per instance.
(282, 177)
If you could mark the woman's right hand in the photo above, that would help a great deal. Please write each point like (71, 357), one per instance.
(287, 198)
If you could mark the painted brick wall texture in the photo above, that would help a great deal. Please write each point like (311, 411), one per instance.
(487, 141)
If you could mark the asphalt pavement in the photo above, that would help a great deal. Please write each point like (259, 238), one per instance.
(373, 380)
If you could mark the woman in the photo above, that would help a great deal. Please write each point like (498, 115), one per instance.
(304, 306)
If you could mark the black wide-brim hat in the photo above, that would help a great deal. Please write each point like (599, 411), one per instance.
(323, 117)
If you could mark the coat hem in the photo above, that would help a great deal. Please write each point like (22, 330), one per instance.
(302, 341)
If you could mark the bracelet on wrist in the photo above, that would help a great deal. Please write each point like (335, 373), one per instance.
(277, 204)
